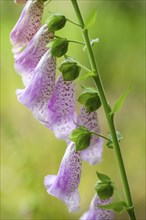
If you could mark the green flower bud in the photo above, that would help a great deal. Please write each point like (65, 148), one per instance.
(70, 70)
(56, 22)
(58, 47)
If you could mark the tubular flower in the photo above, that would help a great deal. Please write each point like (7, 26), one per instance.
(61, 108)
(20, 1)
(27, 25)
(93, 153)
(96, 213)
(65, 185)
(38, 92)
(26, 62)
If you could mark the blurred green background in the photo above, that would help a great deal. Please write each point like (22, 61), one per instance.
(30, 151)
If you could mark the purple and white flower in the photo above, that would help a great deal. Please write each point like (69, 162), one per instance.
(27, 60)
(61, 108)
(38, 92)
(65, 185)
(97, 213)
(27, 25)
(93, 154)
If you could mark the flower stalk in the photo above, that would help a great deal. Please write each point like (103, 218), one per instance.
(107, 110)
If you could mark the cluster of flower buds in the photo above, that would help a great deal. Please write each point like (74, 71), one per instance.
(52, 101)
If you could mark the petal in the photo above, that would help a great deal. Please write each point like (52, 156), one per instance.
(28, 23)
(38, 92)
(96, 213)
(26, 62)
(65, 185)
(20, 1)
(62, 108)
(93, 153)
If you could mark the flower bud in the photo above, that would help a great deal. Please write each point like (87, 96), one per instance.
(56, 22)
(58, 47)
(70, 70)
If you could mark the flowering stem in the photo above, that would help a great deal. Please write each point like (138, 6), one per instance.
(107, 110)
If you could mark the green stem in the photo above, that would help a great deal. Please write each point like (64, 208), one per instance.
(107, 110)
(100, 135)
(73, 22)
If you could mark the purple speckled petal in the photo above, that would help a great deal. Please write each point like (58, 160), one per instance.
(65, 185)
(96, 213)
(27, 60)
(20, 1)
(28, 23)
(62, 108)
(93, 153)
(38, 92)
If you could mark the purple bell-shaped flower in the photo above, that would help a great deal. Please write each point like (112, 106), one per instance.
(65, 184)
(97, 213)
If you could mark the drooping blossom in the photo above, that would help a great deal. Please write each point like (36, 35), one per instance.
(93, 153)
(97, 213)
(65, 185)
(61, 108)
(27, 60)
(39, 90)
(20, 1)
(27, 25)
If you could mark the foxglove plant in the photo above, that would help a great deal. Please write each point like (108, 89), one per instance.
(27, 25)
(61, 108)
(97, 213)
(40, 88)
(52, 102)
(65, 185)
(27, 60)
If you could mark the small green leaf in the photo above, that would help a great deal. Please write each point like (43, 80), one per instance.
(119, 102)
(58, 47)
(76, 132)
(90, 20)
(104, 190)
(85, 76)
(83, 141)
(70, 70)
(117, 206)
(103, 177)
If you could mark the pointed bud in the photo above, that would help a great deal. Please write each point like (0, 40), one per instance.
(58, 47)
(56, 22)
(70, 70)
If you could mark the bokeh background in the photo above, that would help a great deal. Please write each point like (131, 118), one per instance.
(30, 151)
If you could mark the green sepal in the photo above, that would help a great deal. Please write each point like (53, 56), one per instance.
(102, 177)
(83, 141)
(70, 70)
(116, 206)
(56, 22)
(81, 136)
(90, 99)
(104, 190)
(93, 103)
(58, 47)
(76, 132)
